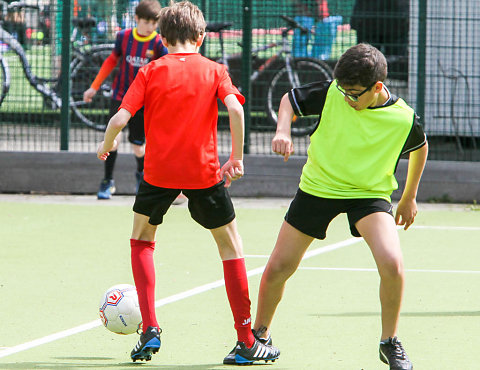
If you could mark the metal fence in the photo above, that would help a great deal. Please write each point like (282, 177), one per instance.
(51, 50)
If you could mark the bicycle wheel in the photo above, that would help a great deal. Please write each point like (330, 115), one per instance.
(305, 70)
(4, 80)
(96, 113)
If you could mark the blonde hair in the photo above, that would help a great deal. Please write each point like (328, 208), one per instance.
(181, 22)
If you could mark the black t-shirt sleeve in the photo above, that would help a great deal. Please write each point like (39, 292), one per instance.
(309, 99)
(416, 138)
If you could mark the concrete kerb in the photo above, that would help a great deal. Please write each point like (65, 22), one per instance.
(265, 176)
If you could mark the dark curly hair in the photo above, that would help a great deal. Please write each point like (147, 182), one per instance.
(362, 64)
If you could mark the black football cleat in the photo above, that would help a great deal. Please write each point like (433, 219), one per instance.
(148, 344)
(230, 358)
(392, 353)
(258, 352)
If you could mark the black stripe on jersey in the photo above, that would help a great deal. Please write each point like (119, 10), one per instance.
(416, 138)
(309, 99)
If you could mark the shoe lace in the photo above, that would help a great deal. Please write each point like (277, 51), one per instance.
(398, 350)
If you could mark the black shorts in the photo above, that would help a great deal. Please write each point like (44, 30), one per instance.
(211, 207)
(312, 215)
(136, 130)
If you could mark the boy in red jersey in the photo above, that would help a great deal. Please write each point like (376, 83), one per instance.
(134, 48)
(180, 92)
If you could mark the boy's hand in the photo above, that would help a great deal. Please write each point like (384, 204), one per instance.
(103, 152)
(406, 212)
(282, 144)
(232, 170)
(89, 94)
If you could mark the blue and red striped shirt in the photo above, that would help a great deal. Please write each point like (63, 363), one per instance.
(134, 52)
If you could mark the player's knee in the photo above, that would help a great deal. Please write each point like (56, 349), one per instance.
(232, 249)
(138, 151)
(279, 270)
(229, 244)
(392, 269)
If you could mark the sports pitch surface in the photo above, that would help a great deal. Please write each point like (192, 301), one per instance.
(60, 253)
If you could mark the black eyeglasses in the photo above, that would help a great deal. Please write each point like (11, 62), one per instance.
(354, 97)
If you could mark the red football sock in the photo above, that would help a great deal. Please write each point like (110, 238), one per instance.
(144, 275)
(236, 284)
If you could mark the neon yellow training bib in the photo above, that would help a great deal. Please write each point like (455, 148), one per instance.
(353, 154)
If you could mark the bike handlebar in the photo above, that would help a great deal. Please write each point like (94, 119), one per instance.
(294, 24)
(217, 27)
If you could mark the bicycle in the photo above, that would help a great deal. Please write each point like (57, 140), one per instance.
(281, 72)
(85, 63)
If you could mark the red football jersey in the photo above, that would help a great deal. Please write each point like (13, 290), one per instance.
(180, 92)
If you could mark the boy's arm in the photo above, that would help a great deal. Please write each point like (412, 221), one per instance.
(233, 169)
(407, 206)
(107, 67)
(115, 126)
(282, 142)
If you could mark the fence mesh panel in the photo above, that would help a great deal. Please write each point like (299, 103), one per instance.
(31, 57)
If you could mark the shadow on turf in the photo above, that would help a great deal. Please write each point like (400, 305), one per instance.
(410, 314)
(96, 365)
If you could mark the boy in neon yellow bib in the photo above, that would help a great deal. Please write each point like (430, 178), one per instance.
(362, 131)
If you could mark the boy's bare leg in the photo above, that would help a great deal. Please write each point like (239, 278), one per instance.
(143, 267)
(230, 249)
(228, 241)
(139, 153)
(142, 229)
(380, 233)
(289, 250)
(248, 349)
(138, 150)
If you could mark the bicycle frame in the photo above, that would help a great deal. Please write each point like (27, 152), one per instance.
(35, 82)
(284, 51)
(277, 74)
(38, 83)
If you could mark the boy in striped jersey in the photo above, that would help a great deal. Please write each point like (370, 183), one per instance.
(134, 48)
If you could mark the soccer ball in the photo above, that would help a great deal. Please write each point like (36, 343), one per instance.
(119, 309)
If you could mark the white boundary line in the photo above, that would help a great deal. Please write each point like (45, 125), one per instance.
(161, 302)
(458, 228)
(4, 352)
(375, 270)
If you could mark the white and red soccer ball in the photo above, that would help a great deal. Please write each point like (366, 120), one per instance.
(119, 309)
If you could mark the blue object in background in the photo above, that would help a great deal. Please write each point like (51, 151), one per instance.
(301, 41)
(325, 34)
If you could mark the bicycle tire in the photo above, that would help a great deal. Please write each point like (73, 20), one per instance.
(4, 80)
(306, 70)
(95, 114)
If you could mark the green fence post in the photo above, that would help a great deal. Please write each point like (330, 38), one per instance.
(65, 75)
(203, 8)
(247, 68)
(421, 59)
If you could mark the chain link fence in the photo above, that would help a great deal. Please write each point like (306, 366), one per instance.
(51, 50)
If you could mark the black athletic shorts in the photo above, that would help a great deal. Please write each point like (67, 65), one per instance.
(136, 130)
(211, 207)
(312, 215)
